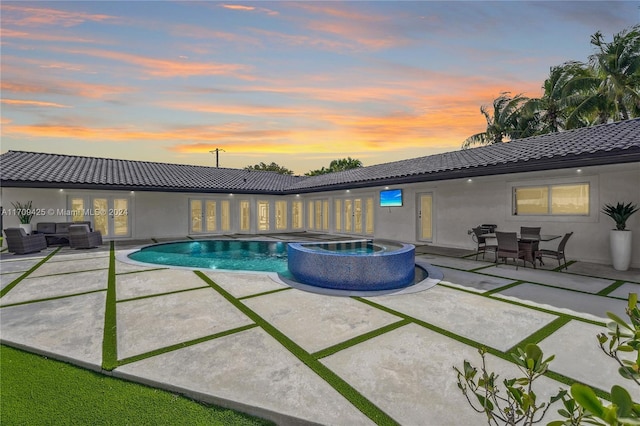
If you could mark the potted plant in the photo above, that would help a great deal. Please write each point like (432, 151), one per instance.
(25, 213)
(620, 238)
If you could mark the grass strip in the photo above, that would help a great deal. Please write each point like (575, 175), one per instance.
(561, 267)
(150, 296)
(15, 282)
(110, 335)
(609, 289)
(504, 287)
(541, 333)
(265, 293)
(345, 389)
(184, 344)
(51, 298)
(36, 390)
(480, 268)
(359, 339)
(141, 270)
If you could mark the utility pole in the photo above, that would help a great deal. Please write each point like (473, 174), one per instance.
(216, 151)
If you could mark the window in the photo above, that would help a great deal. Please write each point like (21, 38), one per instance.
(369, 216)
(281, 215)
(245, 216)
(338, 216)
(225, 213)
(297, 220)
(566, 199)
(77, 209)
(263, 215)
(211, 216)
(196, 216)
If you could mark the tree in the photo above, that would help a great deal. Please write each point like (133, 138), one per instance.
(337, 166)
(552, 109)
(612, 89)
(507, 121)
(273, 167)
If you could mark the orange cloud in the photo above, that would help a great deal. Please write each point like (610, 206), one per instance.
(20, 102)
(71, 88)
(9, 34)
(36, 16)
(165, 67)
(249, 8)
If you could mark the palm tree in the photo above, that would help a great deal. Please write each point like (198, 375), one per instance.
(273, 167)
(344, 164)
(507, 121)
(337, 166)
(551, 110)
(612, 90)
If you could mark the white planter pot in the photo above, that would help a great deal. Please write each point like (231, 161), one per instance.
(620, 249)
(26, 227)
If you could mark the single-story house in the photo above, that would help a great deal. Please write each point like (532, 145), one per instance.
(558, 181)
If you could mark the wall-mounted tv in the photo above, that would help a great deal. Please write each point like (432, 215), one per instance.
(391, 198)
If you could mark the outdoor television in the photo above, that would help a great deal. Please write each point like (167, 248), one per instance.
(391, 198)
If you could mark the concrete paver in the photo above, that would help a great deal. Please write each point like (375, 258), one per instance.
(70, 328)
(245, 284)
(592, 365)
(148, 283)
(559, 298)
(406, 372)
(152, 323)
(62, 267)
(624, 290)
(39, 288)
(489, 322)
(6, 279)
(252, 368)
(315, 321)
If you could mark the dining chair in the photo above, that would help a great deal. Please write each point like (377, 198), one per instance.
(531, 246)
(557, 254)
(483, 247)
(508, 247)
(527, 230)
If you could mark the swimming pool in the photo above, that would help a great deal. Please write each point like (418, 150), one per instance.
(264, 256)
(271, 256)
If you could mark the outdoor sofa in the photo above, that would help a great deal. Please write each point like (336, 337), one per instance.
(57, 233)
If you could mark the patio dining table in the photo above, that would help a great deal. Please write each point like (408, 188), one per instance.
(527, 242)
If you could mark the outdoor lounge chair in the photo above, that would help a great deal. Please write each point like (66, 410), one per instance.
(483, 247)
(557, 254)
(19, 242)
(508, 247)
(80, 236)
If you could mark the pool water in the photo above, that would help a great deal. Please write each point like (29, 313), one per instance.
(264, 256)
(258, 256)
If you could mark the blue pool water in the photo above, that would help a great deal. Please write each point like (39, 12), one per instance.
(259, 256)
(265, 256)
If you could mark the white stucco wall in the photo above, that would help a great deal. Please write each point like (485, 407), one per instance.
(458, 206)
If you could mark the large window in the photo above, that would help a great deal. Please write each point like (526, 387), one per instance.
(281, 215)
(208, 215)
(567, 199)
(297, 219)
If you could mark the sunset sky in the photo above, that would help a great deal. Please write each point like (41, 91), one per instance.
(298, 83)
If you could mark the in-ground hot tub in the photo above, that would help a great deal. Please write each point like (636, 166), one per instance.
(353, 265)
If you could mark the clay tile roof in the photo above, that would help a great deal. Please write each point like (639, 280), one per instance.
(604, 144)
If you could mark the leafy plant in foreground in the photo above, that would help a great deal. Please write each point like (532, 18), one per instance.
(517, 402)
(581, 405)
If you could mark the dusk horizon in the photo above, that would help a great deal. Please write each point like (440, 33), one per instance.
(295, 83)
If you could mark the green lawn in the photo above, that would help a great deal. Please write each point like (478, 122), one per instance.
(35, 390)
